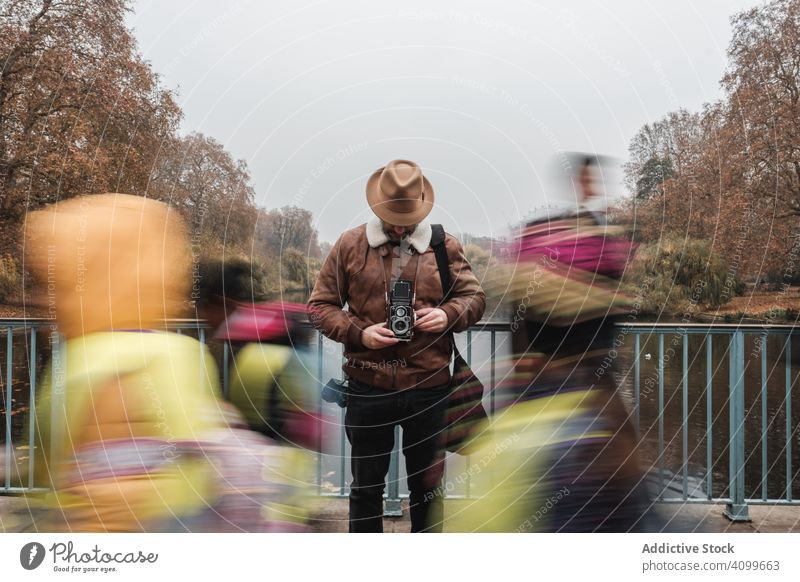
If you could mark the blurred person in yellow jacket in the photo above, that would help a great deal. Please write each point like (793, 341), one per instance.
(124, 403)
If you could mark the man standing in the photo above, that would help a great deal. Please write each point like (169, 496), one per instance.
(395, 379)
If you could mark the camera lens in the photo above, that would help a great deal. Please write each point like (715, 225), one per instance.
(400, 312)
(400, 326)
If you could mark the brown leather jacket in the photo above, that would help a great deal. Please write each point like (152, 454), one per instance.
(351, 275)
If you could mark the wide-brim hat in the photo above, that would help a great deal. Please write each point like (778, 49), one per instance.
(399, 194)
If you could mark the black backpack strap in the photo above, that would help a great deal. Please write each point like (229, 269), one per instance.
(442, 263)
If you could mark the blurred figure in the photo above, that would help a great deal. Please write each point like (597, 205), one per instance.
(124, 404)
(562, 447)
(271, 380)
(261, 486)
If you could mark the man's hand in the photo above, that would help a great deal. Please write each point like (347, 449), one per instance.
(431, 319)
(378, 336)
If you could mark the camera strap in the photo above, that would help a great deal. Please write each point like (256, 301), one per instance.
(386, 282)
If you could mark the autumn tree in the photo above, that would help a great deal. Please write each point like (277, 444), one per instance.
(652, 175)
(213, 191)
(763, 85)
(662, 174)
(731, 172)
(325, 249)
(665, 149)
(80, 111)
(286, 228)
(478, 259)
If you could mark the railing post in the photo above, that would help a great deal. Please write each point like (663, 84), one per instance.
(685, 418)
(226, 348)
(636, 383)
(788, 401)
(661, 485)
(58, 395)
(8, 400)
(319, 412)
(32, 408)
(392, 506)
(737, 509)
(709, 417)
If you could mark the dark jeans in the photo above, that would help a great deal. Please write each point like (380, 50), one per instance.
(372, 413)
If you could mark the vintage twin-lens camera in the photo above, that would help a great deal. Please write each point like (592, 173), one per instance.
(401, 310)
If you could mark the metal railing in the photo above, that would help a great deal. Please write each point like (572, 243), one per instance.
(741, 418)
(672, 487)
(22, 350)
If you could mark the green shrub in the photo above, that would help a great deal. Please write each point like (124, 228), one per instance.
(295, 268)
(680, 275)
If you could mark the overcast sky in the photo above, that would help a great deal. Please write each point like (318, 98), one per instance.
(316, 95)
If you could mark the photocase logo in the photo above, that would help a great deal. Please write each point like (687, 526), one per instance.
(31, 555)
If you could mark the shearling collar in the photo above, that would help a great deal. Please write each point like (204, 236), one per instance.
(420, 239)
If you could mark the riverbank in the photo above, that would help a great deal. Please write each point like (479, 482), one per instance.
(758, 307)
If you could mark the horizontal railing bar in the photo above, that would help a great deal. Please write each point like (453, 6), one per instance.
(500, 325)
(727, 500)
(23, 490)
(692, 500)
(697, 500)
(696, 326)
